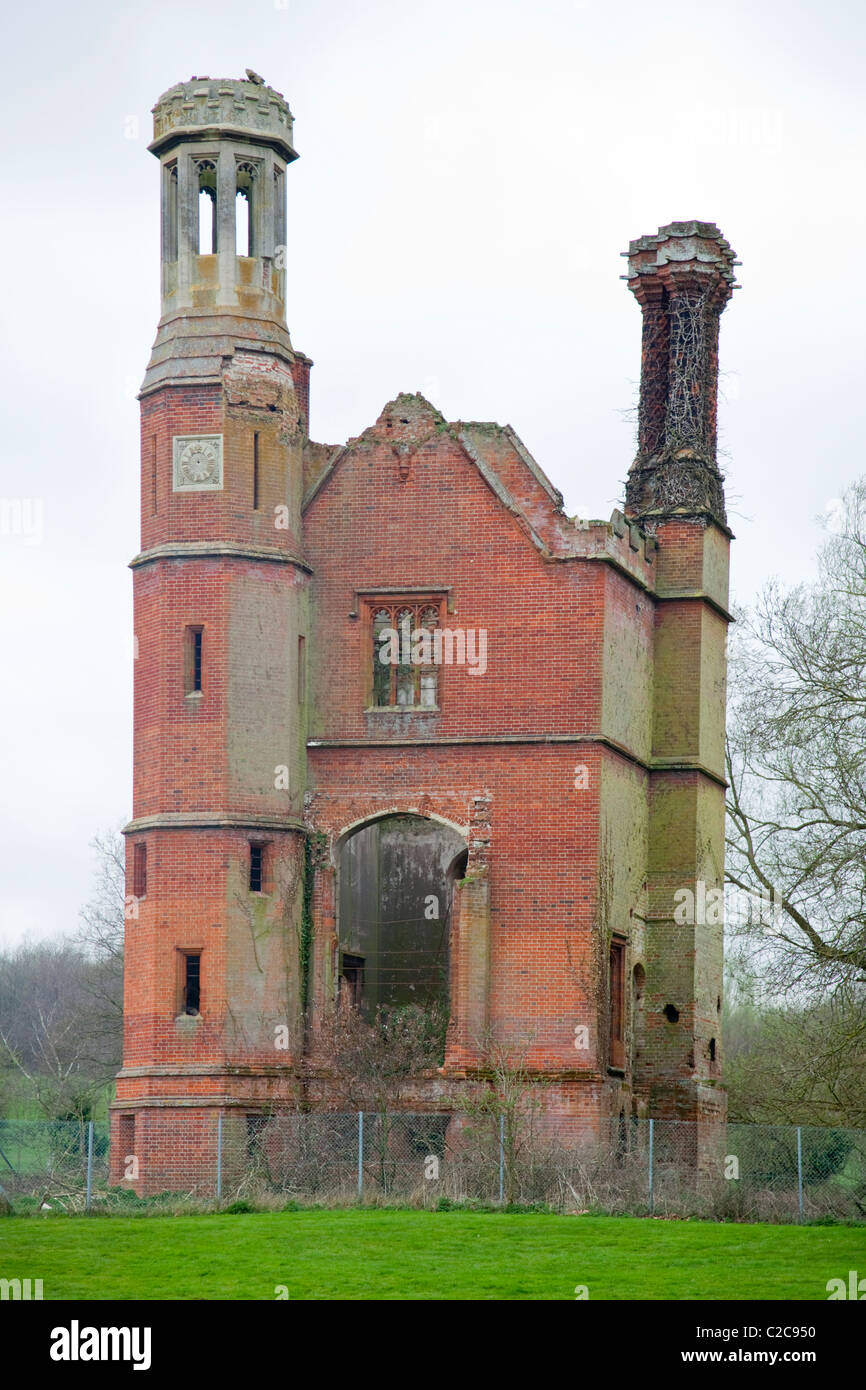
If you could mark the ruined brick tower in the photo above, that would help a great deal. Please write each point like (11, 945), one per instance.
(501, 816)
(220, 615)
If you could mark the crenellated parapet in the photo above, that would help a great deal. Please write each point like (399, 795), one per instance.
(224, 107)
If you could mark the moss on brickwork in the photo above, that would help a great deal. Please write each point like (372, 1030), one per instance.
(315, 851)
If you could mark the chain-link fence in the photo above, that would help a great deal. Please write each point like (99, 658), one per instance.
(53, 1164)
(657, 1167)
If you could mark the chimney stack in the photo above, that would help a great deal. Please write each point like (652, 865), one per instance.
(682, 278)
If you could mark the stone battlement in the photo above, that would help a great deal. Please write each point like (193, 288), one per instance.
(201, 107)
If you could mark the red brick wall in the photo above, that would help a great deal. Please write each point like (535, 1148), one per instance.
(444, 527)
(544, 619)
(214, 756)
(497, 759)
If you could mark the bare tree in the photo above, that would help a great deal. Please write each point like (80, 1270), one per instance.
(102, 918)
(100, 936)
(792, 1062)
(796, 839)
(61, 1002)
(373, 1063)
(508, 1103)
(51, 1033)
(797, 762)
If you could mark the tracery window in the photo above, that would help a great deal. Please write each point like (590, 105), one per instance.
(402, 653)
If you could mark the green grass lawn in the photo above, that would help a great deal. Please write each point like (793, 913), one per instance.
(377, 1254)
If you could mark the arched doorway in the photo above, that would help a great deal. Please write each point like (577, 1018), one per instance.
(396, 879)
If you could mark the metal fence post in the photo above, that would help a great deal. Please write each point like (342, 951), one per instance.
(651, 1198)
(800, 1170)
(360, 1153)
(89, 1165)
(501, 1158)
(219, 1172)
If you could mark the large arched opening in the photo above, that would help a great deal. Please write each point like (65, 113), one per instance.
(396, 880)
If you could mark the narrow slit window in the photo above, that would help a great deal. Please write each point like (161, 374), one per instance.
(153, 475)
(139, 871)
(191, 983)
(193, 655)
(257, 868)
(617, 1004)
(302, 670)
(255, 471)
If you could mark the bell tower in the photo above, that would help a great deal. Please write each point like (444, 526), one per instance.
(214, 939)
(223, 150)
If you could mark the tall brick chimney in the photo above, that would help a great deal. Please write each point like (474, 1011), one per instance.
(682, 278)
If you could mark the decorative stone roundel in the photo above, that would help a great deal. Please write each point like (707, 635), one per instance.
(198, 462)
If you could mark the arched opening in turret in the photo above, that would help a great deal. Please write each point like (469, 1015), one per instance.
(244, 209)
(242, 223)
(396, 885)
(279, 231)
(171, 212)
(207, 214)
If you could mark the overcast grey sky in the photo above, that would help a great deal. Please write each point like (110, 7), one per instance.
(468, 177)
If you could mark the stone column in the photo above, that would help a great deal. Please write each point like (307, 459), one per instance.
(263, 207)
(225, 224)
(470, 973)
(187, 224)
